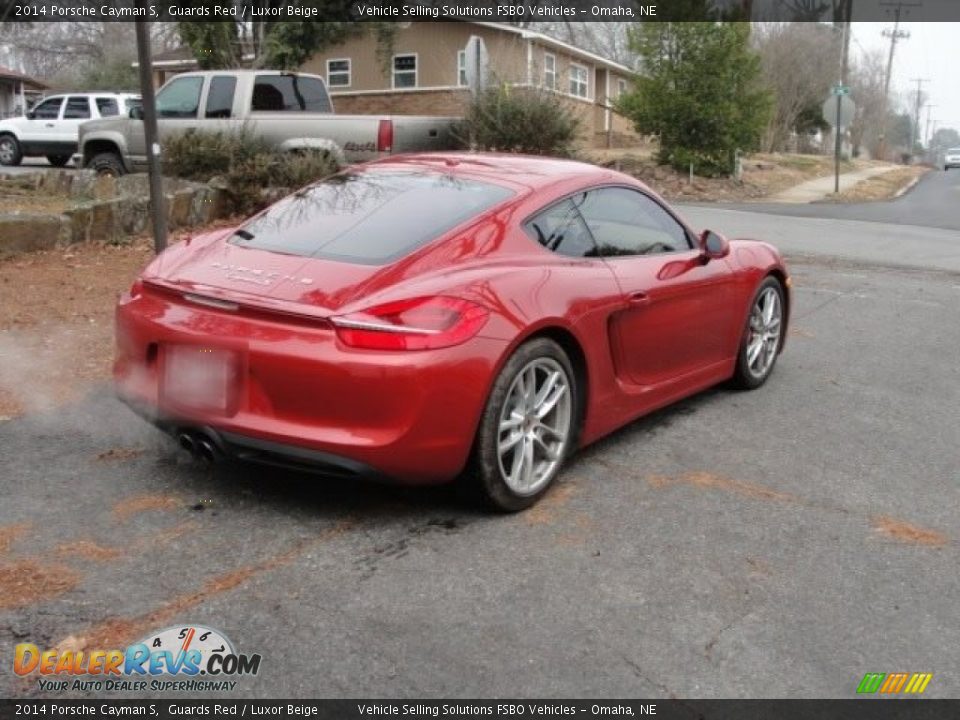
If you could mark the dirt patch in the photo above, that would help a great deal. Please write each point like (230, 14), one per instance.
(27, 582)
(9, 533)
(118, 632)
(709, 481)
(120, 454)
(905, 532)
(545, 511)
(127, 508)
(763, 175)
(881, 187)
(88, 550)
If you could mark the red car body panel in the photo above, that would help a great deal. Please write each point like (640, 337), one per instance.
(644, 331)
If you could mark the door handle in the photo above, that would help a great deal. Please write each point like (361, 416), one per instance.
(49, 125)
(638, 297)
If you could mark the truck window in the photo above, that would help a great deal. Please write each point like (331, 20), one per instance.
(48, 109)
(78, 108)
(107, 107)
(180, 98)
(370, 217)
(289, 93)
(220, 97)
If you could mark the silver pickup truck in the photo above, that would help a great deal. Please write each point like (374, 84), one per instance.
(291, 111)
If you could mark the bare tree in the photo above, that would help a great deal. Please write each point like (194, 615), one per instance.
(800, 62)
(65, 52)
(866, 89)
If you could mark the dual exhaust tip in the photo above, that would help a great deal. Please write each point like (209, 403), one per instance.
(200, 446)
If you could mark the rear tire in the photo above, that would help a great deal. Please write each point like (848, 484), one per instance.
(10, 153)
(107, 163)
(529, 427)
(58, 160)
(762, 336)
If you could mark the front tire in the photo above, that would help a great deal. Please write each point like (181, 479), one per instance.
(10, 153)
(762, 336)
(58, 160)
(529, 427)
(107, 163)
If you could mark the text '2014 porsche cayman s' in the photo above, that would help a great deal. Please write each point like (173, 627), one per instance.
(429, 317)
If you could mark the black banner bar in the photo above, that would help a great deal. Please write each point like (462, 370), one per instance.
(473, 10)
(873, 709)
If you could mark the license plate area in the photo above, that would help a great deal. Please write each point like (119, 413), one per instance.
(200, 378)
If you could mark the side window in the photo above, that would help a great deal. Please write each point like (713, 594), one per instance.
(560, 229)
(107, 107)
(627, 222)
(338, 73)
(220, 97)
(78, 108)
(289, 93)
(48, 109)
(180, 98)
(404, 71)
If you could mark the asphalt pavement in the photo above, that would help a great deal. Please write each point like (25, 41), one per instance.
(933, 202)
(776, 543)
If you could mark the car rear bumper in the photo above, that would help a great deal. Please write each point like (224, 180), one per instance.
(302, 399)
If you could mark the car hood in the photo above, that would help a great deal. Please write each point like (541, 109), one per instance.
(210, 266)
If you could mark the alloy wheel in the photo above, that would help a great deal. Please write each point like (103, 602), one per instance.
(534, 427)
(763, 338)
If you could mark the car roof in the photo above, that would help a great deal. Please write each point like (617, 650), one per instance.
(533, 171)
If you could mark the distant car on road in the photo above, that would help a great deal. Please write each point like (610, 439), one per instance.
(951, 158)
(51, 128)
(417, 316)
(289, 111)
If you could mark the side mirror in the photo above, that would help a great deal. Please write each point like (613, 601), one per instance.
(715, 245)
(136, 112)
(31, 115)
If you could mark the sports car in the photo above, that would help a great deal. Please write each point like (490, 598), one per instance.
(438, 316)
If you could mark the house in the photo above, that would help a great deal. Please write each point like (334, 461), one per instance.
(17, 92)
(424, 73)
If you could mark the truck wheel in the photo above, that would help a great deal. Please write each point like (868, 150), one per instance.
(10, 150)
(58, 160)
(107, 163)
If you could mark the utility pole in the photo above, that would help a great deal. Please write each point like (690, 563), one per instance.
(916, 117)
(926, 134)
(844, 61)
(158, 207)
(895, 36)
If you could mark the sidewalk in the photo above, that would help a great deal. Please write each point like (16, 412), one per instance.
(818, 189)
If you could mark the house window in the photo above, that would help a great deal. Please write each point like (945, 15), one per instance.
(462, 68)
(338, 73)
(578, 80)
(621, 87)
(550, 71)
(405, 71)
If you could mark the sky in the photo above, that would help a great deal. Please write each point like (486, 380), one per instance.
(930, 52)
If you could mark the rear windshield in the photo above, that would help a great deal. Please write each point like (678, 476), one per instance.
(369, 218)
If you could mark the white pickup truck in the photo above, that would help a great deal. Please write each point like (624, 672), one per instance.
(291, 111)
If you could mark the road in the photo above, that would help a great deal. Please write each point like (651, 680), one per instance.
(779, 543)
(934, 202)
(29, 165)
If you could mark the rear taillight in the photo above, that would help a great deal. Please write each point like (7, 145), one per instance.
(418, 324)
(385, 136)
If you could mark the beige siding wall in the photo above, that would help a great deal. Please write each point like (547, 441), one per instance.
(512, 59)
(436, 46)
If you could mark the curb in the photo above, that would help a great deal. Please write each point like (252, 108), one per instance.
(908, 187)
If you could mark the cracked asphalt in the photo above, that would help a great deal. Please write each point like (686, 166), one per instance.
(776, 543)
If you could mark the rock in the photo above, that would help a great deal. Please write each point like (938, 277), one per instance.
(28, 232)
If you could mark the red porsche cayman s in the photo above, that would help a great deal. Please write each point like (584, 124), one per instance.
(428, 317)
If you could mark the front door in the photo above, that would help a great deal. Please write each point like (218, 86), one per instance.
(675, 320)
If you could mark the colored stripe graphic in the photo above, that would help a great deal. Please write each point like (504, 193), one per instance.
(893, 683)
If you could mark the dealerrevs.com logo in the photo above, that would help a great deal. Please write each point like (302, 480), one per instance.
(189, 659)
